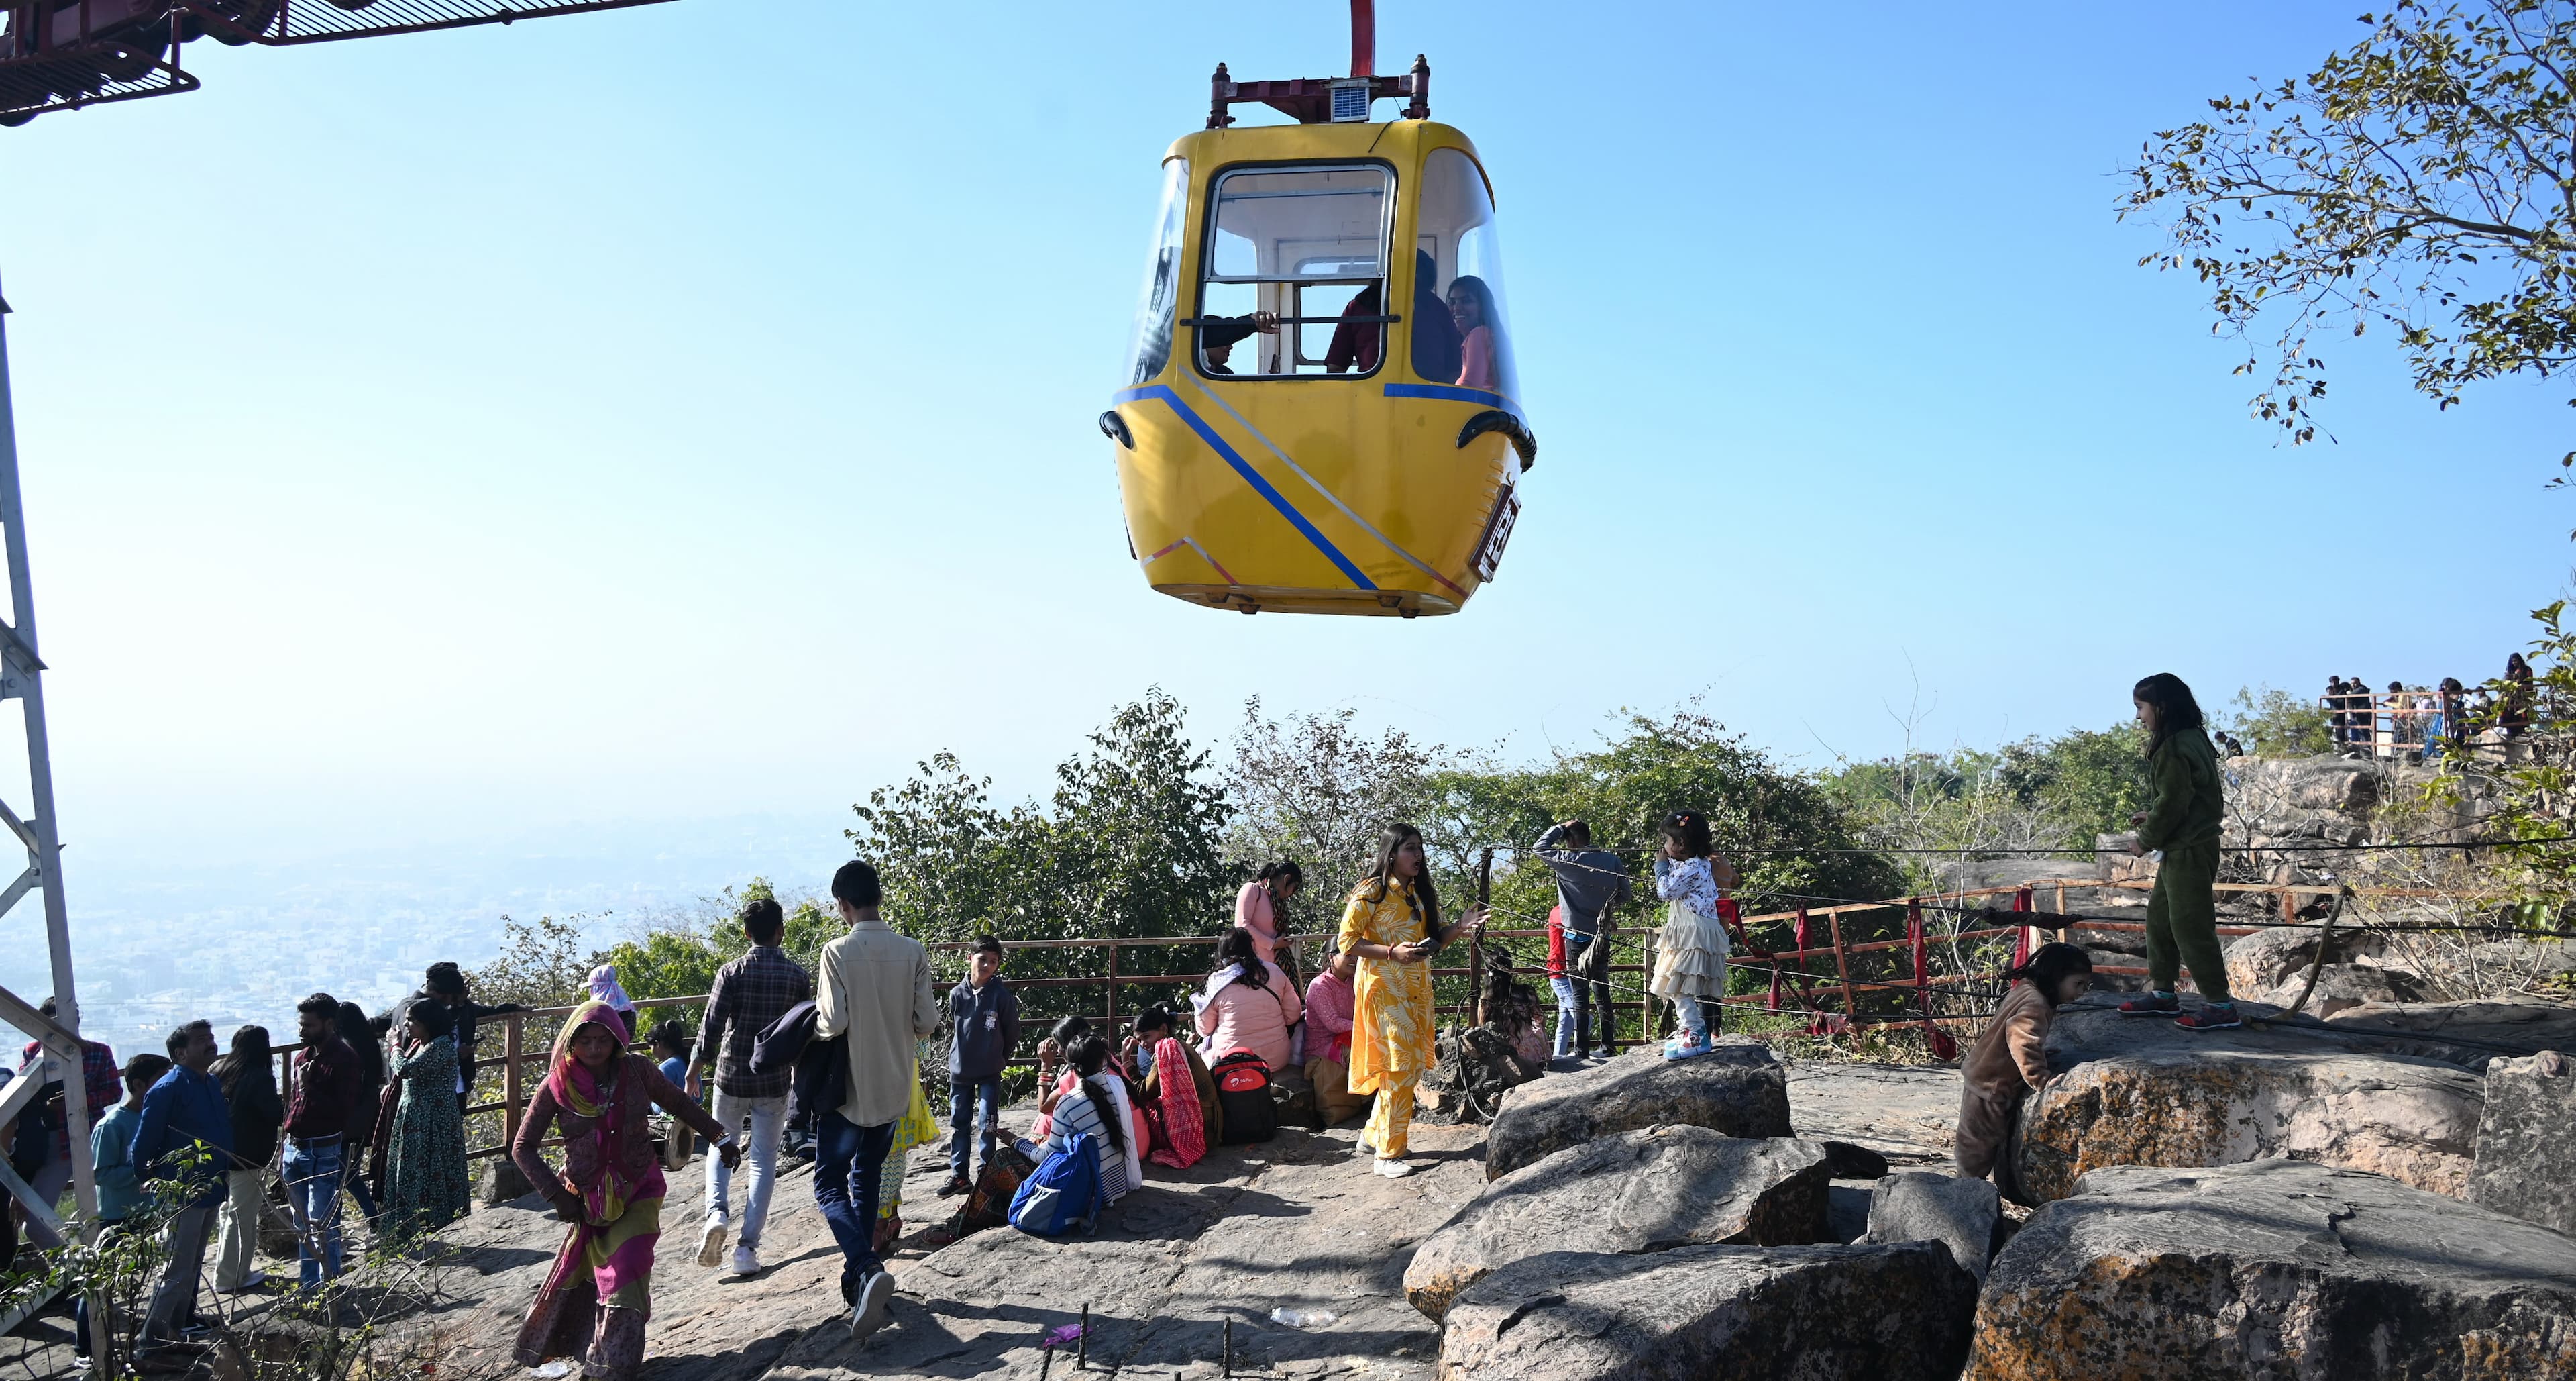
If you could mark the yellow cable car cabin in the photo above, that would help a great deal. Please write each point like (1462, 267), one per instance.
(1321, 413)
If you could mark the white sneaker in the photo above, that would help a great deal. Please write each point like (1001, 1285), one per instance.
(711, 1243)
(869, 1314)
(746, 1262)
(1392, 1169)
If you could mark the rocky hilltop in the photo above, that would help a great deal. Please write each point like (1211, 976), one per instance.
(2382, 1198)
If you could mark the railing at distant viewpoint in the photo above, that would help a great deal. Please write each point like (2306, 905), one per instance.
(1832, 1000)
(2391, 724)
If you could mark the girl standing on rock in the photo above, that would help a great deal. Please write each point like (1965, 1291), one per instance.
(2182, 911)
(1391, 928)
(1690, 951)
(600, 1293)
(2009, 1061)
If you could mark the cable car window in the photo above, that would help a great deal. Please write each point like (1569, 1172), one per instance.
(1151, 347)
(1307, 246)
(1461, 332)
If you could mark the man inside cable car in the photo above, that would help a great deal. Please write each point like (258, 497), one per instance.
(1437, 352)
(1218, 336)
(1356, 343)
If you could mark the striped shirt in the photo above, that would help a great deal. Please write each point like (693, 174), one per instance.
(1074, 1115)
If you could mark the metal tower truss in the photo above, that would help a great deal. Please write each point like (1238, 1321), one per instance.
(22, 680)
(66, 54)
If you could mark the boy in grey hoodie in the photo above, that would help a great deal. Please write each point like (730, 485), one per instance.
(984, 1015)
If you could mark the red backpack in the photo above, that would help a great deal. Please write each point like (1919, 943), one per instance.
(1243, 1094)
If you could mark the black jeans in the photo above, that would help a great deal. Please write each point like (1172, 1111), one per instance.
(1591, 990)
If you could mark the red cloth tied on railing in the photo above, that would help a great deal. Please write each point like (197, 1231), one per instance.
(2021, 935)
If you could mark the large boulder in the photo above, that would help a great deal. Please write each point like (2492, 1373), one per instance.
(1858, 1313)
(2273, 1269)
(1641, 1191)
(2526, 1163)
(2529, 1022)
(2339, 988)
(1959, 1213)
(2131, 1092)
(2266, 959)
(1738, 1089)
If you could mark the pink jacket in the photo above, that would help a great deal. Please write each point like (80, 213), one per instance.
(1253, 912)
(1328, 1018)
(1238, 1016)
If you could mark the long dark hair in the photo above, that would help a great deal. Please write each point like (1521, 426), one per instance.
(249, 1056)
(363, 1037)
(1237, 952)
(1285, 870)
(1425, 898)
(2050, 963)
(2175, 709)
(1087, 1057)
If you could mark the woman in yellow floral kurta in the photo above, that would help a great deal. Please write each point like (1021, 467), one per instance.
(1392, 927)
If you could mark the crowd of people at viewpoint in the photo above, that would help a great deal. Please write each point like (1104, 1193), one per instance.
(374, 1108)
(2438, 721)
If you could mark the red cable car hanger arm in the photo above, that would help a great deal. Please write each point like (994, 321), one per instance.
(1310, 99)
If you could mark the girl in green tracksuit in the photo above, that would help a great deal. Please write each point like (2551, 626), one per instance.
(2184, 821)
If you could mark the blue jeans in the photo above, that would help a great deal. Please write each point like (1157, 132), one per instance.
(768, 1129)
(1566, 1023)
(961, 1106)
(312, 1175)
(847, 1162)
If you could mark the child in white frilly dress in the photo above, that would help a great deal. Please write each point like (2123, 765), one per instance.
(1690, 951)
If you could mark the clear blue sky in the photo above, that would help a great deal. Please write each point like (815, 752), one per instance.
(687, 412)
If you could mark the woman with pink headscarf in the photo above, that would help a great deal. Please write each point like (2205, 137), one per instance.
(599, 1295)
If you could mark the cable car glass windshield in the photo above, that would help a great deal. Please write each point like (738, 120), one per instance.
(1307, 245)
(1459, 276)
(1155, 310)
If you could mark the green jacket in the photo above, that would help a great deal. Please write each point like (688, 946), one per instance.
(2188, 808)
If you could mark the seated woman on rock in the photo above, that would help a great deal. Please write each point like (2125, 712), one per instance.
(1178, 1085)
(1248, 1004)
(1051, 1086)
(1098, 1107)
(2009, 1061)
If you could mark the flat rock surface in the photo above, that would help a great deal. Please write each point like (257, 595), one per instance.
(1738, 1089)
(1297, 1223)
(1907, 1113)
(1643, 1191)
(2532, 1023)
(1858, 1313)
(2273, 1269)
(2146, 1092)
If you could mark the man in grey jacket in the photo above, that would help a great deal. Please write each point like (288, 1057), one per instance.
(876, 992)
(1589, 882)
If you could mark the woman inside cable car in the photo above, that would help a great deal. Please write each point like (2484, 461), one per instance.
(1471, 308)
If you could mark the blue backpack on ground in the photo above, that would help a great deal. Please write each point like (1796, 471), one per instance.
(1064, 1193)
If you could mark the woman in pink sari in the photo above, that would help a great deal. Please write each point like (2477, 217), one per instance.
(597, 1298)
